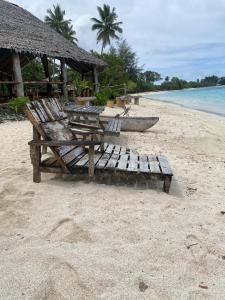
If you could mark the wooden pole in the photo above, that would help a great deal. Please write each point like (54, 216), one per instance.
(44, 61)
(64, 79)
(17, 75)
(95, 79)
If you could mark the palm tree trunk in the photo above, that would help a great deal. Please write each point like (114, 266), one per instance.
(102, 49)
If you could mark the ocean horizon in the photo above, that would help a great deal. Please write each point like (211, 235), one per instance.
(209, 99)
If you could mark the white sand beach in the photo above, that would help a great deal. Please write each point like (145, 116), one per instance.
(70, 239)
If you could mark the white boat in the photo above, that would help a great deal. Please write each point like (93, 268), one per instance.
(134, 123)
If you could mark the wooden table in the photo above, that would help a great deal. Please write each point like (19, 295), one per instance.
(84, 113)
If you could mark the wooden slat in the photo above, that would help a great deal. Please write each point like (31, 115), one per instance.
(54, 109)
(113, 127)
(117, 149)
(33, 113)
(42, 110)
(97, 157)
(103, 161)
(112, 162)
(143, 164)
(47, 110)
(83, 161)
(154, 165)
(133, 163)
(123, 150)
(122, 162)
(38, 112)
(165, 167)
(63, 150)
(48, 162)
(110, 148)
(72, 155)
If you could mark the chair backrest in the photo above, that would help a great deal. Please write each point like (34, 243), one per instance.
(51, 122)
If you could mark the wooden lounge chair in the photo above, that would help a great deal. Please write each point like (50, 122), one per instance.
(71, 155)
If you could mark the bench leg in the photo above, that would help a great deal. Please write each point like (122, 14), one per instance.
(102, 143)
(35, 154)
(167, 183)
(91, 166)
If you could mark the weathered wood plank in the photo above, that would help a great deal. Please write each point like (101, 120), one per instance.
(143, 164)
(103, 161)
(110, 148)
(154, 165)
(165, 167)
(117, 149)
(123, 150)
(133, 163)
(112, 162)
(47, 110)
(38, 112)
(32, 113)
(83, 161)
(72, 155)
(122, 162)
(42, 110)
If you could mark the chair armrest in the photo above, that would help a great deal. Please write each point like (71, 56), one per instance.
(63, 143)
(86, 132)
(77, 124)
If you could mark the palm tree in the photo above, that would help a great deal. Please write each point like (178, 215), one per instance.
(55, 19)
(69, 33)
(106, 26)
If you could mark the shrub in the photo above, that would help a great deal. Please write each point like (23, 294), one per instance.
(131, 86)
(101, 98)
(18, 104)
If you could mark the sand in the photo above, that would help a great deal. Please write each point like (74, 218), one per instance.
(70, 239)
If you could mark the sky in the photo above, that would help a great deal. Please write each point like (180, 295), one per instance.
(184, 38)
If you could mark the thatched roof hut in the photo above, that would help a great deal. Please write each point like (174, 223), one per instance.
(23, 33)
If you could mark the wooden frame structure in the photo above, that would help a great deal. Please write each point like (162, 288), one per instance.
(18, 82)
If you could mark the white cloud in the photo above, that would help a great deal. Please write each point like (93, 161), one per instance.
(176, 37)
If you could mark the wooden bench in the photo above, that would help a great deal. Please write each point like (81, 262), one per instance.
(113, 127)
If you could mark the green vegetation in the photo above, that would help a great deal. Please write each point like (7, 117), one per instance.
(107, 26)
(104, 95)
(18, 104)
(101, 98)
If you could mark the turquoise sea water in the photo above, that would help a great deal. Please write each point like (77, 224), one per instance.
(211, 100)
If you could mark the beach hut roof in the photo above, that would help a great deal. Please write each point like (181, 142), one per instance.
(26, 34)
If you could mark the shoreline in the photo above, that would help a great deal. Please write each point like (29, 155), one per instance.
(185, 106)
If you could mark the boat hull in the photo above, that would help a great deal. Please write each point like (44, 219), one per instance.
(134, 123)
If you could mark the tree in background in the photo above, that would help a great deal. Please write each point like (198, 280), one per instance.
(33, 71)
(107, 26)
(129, 57)
(152, 77)
(55, 18)
(209, 81)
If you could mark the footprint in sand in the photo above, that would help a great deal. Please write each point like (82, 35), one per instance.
(61, 277)
(68, 231)
(13, 205)
(197, 248)
(197, 295)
